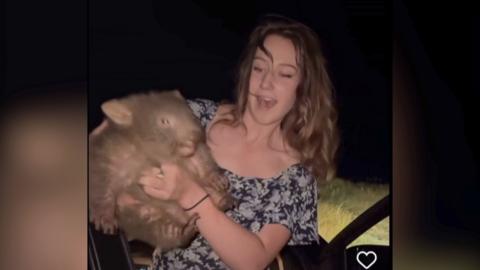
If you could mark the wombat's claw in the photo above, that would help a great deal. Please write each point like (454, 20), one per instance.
(107, 225)
(225, 182)
(189, 230)
(110, 228)
(171, 231)
(191, 226)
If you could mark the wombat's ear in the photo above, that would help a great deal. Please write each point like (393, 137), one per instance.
(117, 112)
(177, 93)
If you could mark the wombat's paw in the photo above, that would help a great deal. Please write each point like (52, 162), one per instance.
(221, 200)
(171, 231)
(110, 227)
(225, 202)
(223, 181)
(189, 230)
(219, 182)
(191, 226)
(149, 213)
(107, 223)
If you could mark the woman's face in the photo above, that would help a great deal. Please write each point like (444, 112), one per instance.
(273, 80)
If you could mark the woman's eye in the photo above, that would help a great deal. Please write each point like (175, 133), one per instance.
(257, 69)
(286, 75)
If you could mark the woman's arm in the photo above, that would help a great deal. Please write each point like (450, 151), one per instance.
(236, 246)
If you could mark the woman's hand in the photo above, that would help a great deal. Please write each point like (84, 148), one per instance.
(166, 183)
(171, 183)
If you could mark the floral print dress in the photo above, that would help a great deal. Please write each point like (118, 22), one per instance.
(289, 198)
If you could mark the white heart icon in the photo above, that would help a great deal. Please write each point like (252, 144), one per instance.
(366, 254)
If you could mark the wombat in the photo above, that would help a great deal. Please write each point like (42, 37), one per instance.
(143, 131)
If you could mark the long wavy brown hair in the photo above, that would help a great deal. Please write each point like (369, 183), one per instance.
(311, 125)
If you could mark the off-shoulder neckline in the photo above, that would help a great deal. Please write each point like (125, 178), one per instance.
(277, 176)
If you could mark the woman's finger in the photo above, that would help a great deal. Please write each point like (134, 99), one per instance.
(157, 193)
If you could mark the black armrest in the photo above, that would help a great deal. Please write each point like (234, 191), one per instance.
(301, 257)
(108, 251)
(332, 256)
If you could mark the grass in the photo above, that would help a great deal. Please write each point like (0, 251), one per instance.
(341, 201)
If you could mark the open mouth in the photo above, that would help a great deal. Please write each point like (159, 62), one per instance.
(266, 102)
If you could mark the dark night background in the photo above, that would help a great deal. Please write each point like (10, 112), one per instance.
(195, 46)
(135, 45)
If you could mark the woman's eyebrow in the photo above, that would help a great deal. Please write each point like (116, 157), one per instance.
(259, 58)
(282, 64)
(289, 65)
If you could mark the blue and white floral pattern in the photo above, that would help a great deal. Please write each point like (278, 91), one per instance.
(289, 198)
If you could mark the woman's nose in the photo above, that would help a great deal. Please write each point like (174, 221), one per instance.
(267, 81)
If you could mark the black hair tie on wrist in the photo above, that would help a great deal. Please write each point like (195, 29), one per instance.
(195, 205)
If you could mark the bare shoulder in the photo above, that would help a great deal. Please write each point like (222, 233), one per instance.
(224, 111)
(217, 130)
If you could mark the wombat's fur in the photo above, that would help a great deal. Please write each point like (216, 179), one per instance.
(143, 131)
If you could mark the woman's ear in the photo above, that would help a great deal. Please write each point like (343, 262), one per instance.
(116, 111)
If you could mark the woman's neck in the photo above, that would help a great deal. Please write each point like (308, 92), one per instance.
(260, 135)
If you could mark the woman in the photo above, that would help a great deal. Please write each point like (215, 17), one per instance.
(274, 144)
